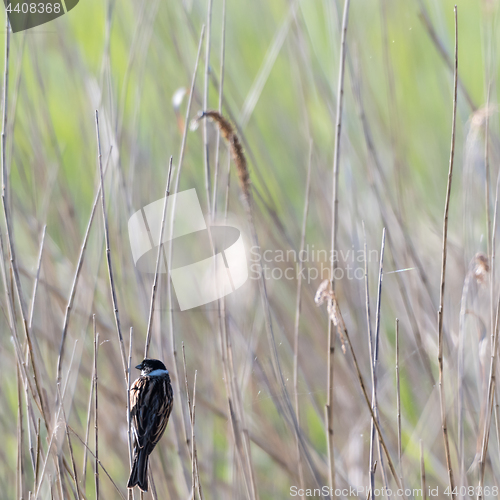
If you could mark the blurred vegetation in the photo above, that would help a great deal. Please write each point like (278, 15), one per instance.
(281, 62)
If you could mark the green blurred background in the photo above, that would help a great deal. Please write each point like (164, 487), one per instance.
(281, 61)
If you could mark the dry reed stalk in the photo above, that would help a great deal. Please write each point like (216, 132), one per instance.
(62, 489)
(129, 368)
(221, 303)
(232, 389)
(51, 489)
(487, 185)
(460, 365)
(176, 379)
(441, 48)
(96, 407)
(20, 440)
(338, 129)
(394, 122)
(228, 383)
(238, 156)
(329, 409)
(221, 88)
(89, 416)
(195, 476)
(157, 268)
(373, 345)
(37, 277)
(29, 416)
(490, 241)
(79, 265)
(236, 149)
(28, 383)
(325, 293)
(489, 403)
(422, 471)
(375, 354)
(194, 449)
(369, 490)
(370, 345)
(98, 462)
(32, 310)
(206, 157)
(297, 320)
(398, 408)
(129, 434)
(492, 284)
(8, 224)
(444, 426)
(75, 474)
(244, 443)
(154, 494)
(108, 252)
(368, 136)
(57, 458)
(38, 455)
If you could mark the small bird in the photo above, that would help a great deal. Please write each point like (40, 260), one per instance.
(151, 400)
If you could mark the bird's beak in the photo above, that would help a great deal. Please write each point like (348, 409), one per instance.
(139, 367)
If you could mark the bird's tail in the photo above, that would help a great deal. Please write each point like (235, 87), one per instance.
(139, 472)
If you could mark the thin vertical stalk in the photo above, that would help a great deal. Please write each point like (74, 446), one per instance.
(129, 366)
(205, 106)
(422, 471)
(157, 268)
(365, 393)
(108, 251)
(38, 454)
(66, 426)
(487, 181)
(78, 269)
(20, 439)
(96, 410)
(176, 379)
(492, 282)
(461, 363)
(489, 406)
(195, 478)
(87, 430)
(444, 426)
(221, 87)
(195, 451)
(398, 409)
(329, 410)
(297, 321)
(32, 308)
(338, 130)
(374, 350)
(129, 434)
(8, 225)
(37, 277)
(373, 462)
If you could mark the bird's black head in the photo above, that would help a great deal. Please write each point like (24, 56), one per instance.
(150, 365)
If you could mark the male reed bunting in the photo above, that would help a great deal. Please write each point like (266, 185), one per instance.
(151, 400)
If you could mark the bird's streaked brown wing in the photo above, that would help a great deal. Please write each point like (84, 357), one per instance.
(151, 401)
